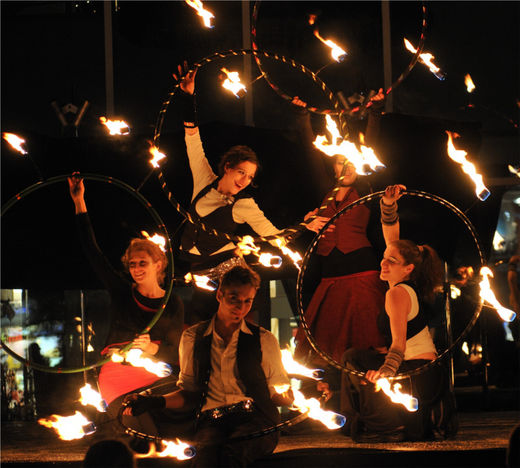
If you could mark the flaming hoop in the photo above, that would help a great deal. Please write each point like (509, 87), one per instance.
(169, 255)
(312, 247)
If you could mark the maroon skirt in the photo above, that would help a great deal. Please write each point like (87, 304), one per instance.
(343, 314)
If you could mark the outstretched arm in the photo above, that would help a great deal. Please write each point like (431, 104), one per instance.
(77, 193)
(187, 84)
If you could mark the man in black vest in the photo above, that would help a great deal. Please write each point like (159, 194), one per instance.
(229, 369)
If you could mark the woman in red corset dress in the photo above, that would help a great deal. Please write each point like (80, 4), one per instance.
(343, 310)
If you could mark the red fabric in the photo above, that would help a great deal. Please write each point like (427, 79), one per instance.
(116, 379)
(343, 314)
(353, 222)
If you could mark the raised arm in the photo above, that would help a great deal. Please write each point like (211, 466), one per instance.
(389, 216)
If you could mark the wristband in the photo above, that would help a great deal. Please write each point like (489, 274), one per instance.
(188, 107)
(392, 362)
(389, 215)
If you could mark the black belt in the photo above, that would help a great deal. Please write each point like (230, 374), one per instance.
(245, 406)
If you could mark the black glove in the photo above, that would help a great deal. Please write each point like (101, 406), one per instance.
(141, 404)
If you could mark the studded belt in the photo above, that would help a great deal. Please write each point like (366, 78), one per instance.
(245, 406)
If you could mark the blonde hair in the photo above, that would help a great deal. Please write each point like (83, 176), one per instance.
(155, 252)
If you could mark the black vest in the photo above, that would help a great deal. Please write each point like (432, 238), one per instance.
(413, 326)
(220, 219)
(250, 372)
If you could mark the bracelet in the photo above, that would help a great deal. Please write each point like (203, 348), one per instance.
(393, 360)
(389, 215)
(190, 125)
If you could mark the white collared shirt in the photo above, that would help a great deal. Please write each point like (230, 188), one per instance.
(225, 387)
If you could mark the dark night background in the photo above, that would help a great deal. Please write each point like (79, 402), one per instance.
(54, 51)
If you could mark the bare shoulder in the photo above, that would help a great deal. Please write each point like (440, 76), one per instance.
(397, 296)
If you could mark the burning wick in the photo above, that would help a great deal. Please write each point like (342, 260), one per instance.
(459, 156)
(336, 52)
(90, 397)
(293, 255)
(470, 86)
(72, 427)
(178, 449)
(156, 239)
(514, 170)
(395, 394)
(364, 159)
(15, 141)
(115, 127)
(426, 59)
(203, 282)
(135, 357)
(293, 367)
(487, 294)
(269, 260)
(204, 14)
(233, 84)
(157, 156)
(247, 247)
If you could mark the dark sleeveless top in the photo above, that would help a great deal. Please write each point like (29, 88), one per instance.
(250, 372)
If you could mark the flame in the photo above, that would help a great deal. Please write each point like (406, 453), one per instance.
(233, 84)
(426, 59)
(336, 51)
(69, 427)
(157, 239)
(454, 291)
(115, 127)
(178, 449)
(15, 141)
(204, 14)
(293, 255)
(270, 260)
(157, 156)
(247, 245)
(470, 86)
(364, 158)
(487, 294)
(514, 170)
(499, 242)
(293, 367)
(311, 406)
(312, 19)
(465, 348)
(203, 282)
(90, 397)
(395, 394)
(459, 156)
(135, 357)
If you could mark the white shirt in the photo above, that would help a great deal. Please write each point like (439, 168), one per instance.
(225, 387)
(245, 210)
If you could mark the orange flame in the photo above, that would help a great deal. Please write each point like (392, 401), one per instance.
(426, 59)
(157, 239)
(459, 156)
(364, 159)
(292, 254)
(514, 170)
(336, 51)
(269, 260)
(115, 127)
(69, 427)
(157, 156)
(15, 141)
(395, 394)
(233, 84)
(247, 245)
(90, 397)
(178, 449)
(135, 357)
(470, 86)
(293, 367)
(203, 282)
(487, 294)
(204, 14)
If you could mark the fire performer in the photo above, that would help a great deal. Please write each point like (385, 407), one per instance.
(229, 369)
(412, 273)
(220, 202)
(133, 305)
(343, 310)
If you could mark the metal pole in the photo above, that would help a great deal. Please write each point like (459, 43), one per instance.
(109, 59)
(387, 53)
(246, 44)
(449, 334)
(83, 341)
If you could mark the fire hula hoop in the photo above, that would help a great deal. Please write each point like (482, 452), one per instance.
(310, 250)
(169, 254)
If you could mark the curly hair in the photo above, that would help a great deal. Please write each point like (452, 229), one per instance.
(428, 268)
(236, 155)
(155, 252)
(239, 276)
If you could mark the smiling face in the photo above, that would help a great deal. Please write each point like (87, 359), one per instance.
(237, 178)
(235, 302)
(142, 268)
(350, 172)
(393, 267)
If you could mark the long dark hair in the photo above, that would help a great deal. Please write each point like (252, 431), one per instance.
(428, 268)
